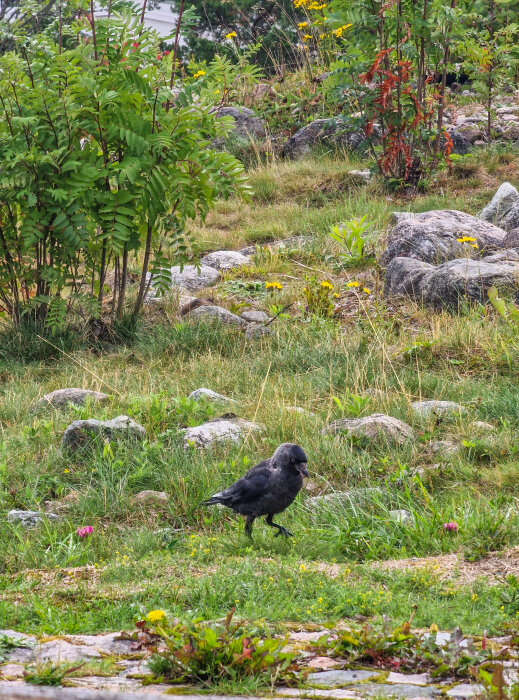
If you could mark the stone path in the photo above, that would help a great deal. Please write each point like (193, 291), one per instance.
(133, 672)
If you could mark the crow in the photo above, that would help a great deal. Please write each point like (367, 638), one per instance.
(267, 489)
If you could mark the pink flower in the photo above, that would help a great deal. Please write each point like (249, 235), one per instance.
(450, 527)
(84, 531)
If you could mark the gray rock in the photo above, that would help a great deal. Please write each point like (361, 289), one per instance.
(217, 432)
(80, 431)
(503, 209)
(461, 145)
(404, 517)
(512, 239)
(432, 237)
(256, 330)
(331, 133)
(218, 313)
(481, 425)
(335, 679)
(62, 397)
(29, 518)
(298, 409)
(360, 175)
(408, 678)
(398, 690)
(466, 690)
(444, 447)
(398, 216)
(194, 278)
(225, 259)
(149, 497)
(209, 395)
(426, 409)
(372, 427)
(247, 125)
(77, 648)
(448, 284)
(255, 316)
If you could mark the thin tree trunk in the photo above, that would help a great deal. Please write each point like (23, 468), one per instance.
(145, 263)
(122, 290)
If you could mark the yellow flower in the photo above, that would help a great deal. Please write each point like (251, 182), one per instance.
(326, 285)
(231, 35)
(366, 290)
(273, 285)
(302, 24)
(474, 245)
(339, 31)
(466, 239)
(306, 37)
(352, 284)
(433, 628)
(156, 615)
(302, 567)
(199, 74)
(66, 471)
(336, 295)
(474, 596)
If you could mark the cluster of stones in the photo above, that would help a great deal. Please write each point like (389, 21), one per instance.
(134, 676)
(443, 258)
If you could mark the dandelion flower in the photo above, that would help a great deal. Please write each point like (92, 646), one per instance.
(231, 35)
(156, 615)
(466, 239)
(199, 74)
(273, 285)
(66, 471)
(366, 290)
(306, 37)
(302, 24)
(326, 285)
(336, 295)
(352, 284)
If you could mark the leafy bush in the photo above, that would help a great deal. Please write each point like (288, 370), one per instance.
(99, 163)
(208, 652)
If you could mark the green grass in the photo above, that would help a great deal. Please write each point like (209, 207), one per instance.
(144, 557)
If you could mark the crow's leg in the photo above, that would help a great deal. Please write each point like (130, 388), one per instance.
(248, 525)
(281, 530)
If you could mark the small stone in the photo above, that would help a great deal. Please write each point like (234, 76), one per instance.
(362, 175)
(151, 498)
(481, 425)
(399, 690)
(219, 314)
(256, 330)
(255, 316)
(404, 517)
(209, 395)
(78, 397)
(80, 431)
(12, 672)
(444, 447)
(372, 427)
(29, 518)
(436, 408)
(409, 678)
(225, 260)
(217, 432)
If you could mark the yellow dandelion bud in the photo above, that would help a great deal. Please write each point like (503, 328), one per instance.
(156, 615)
(433, 628)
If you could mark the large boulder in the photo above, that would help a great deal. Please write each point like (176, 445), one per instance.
(330, 133)
(79, 432)
(432, 237)
(219, 431)
(453, 282)
(193, 278)
(503, 209)
(247, 125)
(372, 427)
(78, 397)
(225, 259)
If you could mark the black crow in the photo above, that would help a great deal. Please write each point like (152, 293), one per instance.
(267, 489)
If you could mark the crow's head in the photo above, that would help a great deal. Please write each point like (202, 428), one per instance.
(289, 456)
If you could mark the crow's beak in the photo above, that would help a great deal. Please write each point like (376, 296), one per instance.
(303, 469)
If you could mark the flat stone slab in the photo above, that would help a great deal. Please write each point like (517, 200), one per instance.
(465, 690)
(29, 518)
(225, 260)
(408, 678)
(397, 690)
(193, 278)
(79, 431)
(333, 679)
(216, 432)
(371, 427)
(219, 314)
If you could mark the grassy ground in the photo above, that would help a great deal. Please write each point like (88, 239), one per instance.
(182, 557)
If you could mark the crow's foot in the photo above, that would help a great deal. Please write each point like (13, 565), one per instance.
(283, 531)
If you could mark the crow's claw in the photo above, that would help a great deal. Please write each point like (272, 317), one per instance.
(283, 531)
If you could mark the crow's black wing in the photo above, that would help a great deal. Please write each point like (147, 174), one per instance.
(251, 486)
